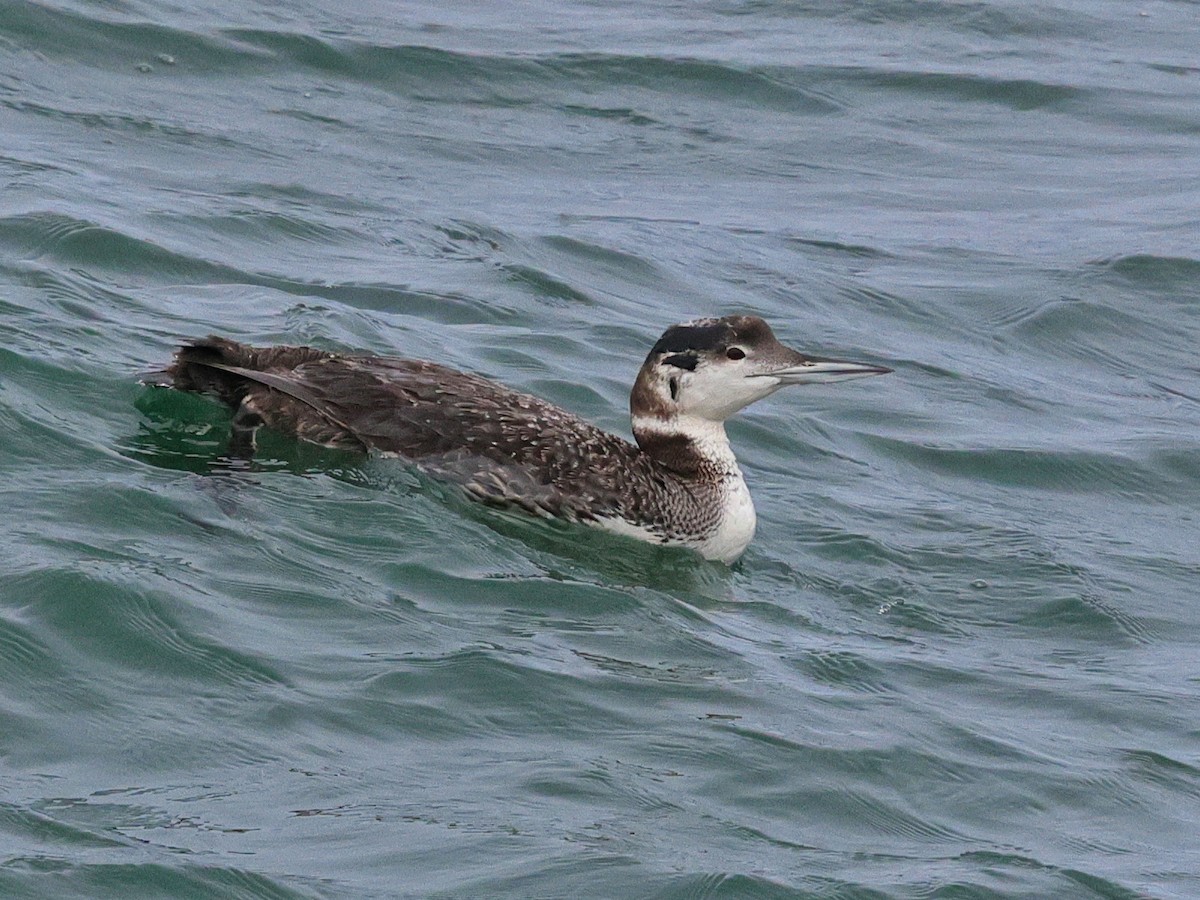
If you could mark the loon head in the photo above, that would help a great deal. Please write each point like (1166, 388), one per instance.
(702, 372)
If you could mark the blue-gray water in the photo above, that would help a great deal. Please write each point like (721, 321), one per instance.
(960, 659)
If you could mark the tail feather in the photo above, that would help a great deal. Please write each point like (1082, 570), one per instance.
(202, 366)
(263, 385)
(193, 368)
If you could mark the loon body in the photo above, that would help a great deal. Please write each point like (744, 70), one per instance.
(679, 484)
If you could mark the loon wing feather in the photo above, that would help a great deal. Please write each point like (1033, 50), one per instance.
(288, 386)
(504, 447)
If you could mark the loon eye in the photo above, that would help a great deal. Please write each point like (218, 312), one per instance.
(735, 353)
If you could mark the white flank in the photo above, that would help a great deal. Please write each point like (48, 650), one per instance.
(615, 525)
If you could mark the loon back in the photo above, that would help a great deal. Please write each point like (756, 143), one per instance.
(679, 485)
(503, 446)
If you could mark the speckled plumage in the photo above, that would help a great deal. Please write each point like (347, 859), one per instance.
(504, 447)
(679, 484)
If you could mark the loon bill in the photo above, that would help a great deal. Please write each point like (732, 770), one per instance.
(679, 484)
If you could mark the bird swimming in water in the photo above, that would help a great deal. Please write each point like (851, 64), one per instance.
(679, 484)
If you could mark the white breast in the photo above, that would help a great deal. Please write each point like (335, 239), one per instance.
(726, 544)
(738, 522)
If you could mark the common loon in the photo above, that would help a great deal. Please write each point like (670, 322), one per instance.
(680, 484)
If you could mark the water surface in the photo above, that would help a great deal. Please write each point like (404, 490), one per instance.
(959, 660)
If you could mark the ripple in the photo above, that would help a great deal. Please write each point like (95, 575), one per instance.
(1168, 273)
(1083, 328)
(38, 823)
(623, 114)
(107, 606)
(435, 72)
(86, 244)
(20, 652)
(266, 226)
(62, 877)
(1067, 471)
(839, 249)
(545, 286)
(770, 88)
(606, 259)
(1088, 617)
(1163, 772)
(844, 669)
(137, 124)
(65, 34)
(1019, 94)
(970, 18)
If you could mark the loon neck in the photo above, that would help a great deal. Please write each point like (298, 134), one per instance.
(687, 445)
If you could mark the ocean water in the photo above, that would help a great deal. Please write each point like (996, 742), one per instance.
(960, 660)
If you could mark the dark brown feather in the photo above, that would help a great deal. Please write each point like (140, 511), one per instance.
(503, 446)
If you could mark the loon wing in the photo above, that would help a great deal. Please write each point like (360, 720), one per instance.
(289, 386)
(502, 446)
